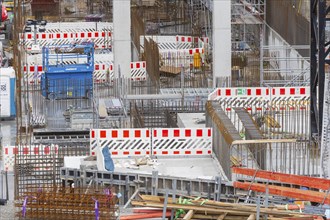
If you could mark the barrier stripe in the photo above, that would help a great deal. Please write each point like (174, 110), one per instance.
(157, 141)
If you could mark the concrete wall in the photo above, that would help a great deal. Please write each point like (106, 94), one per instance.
(223, 134)
(289, 18)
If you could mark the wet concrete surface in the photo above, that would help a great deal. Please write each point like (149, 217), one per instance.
(8, 134)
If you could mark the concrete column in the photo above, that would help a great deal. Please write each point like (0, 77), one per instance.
(122, 37)
(221, 43)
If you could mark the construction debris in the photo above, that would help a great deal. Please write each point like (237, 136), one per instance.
(199, 208)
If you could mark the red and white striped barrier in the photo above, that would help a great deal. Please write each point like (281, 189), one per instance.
(101, 39)
(9, 153)
(138, 71)
(181, 141)
(64, 35)
(124, 143)
(256, 99)
(178, 42)
(263, 92)
(33, 73)
(121, 142)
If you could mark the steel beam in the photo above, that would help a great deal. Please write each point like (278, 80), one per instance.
(318, 13)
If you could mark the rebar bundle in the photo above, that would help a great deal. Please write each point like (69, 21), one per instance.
(69, 203)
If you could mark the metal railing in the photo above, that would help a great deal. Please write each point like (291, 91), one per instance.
(279, 155)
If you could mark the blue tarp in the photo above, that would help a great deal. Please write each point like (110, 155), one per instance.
(108, 162)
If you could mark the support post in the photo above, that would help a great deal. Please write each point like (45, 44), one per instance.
(258, 208)
(221, 41)
(217, 192)
(7, 190)
(122, 37)
(174, 185)
(154, 183)
(165, 204)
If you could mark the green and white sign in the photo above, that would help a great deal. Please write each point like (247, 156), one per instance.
(241, 91)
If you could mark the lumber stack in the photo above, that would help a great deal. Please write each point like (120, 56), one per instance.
(197, 208)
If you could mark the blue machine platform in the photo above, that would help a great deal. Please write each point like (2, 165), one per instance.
(68, 71)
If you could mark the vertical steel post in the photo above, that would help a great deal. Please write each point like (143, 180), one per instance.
(318, 12)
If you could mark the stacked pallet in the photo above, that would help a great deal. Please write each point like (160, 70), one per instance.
(197, 208)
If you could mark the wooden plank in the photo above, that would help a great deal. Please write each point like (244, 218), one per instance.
(146, 210)
(216, 204)
(264, 141)
(221, 217)
(102, 109)
(191, 207)
(203, 216)
(312, 182)
(252, 217)
(144, 215)
(307, 195)
(217, 210)
(189, 215)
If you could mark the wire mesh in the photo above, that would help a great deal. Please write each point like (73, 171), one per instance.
(34, 170)
(294, 158)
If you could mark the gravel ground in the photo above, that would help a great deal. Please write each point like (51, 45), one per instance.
(7, 212)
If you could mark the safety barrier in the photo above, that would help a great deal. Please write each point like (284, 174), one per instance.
(101, 39)
(176, 42)
(138, 71)
(55, 27)
(33, 68)
(262, 92)
(203, 42)
(33, 73)
(9, 153)
(181, 141)
(121, 142)
(260, 99)
(158, 141)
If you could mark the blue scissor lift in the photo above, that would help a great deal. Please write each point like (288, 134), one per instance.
(68, 71)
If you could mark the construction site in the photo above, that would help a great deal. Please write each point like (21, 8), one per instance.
(165, 109)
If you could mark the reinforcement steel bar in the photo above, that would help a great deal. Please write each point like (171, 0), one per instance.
(69, 203)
